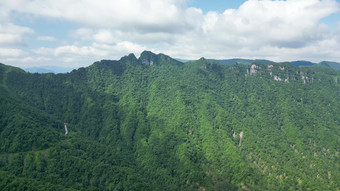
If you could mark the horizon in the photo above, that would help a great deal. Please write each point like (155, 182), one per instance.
(62, 69)
(42, 33)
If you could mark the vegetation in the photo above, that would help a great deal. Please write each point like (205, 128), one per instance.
(154, 123)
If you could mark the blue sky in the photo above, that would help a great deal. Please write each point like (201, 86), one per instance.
(77, 33)
(216, 5)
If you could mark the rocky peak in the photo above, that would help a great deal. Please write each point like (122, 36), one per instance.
(148, 58)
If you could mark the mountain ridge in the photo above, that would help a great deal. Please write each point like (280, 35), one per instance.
(229, 62)
(155, 123)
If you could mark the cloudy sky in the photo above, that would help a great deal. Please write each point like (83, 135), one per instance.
(74, 33)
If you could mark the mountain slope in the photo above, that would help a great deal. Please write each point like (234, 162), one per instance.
(154, 123)
(230, 62)
(334, 65)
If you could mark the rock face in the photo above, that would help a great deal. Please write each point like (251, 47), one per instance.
(276, 78)
(148, 58)
(241, 136)
(253, 69)
(283, 72)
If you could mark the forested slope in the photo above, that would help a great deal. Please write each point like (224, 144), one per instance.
(154, 123)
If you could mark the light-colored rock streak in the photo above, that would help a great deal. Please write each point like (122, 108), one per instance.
(241, 135)
(66, 131)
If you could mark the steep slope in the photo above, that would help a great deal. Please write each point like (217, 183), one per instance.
(154, 123)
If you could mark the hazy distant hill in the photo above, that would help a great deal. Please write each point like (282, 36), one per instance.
(154, 123)
(302, 63)
(48, 69)
(334, 65)
(230, 62)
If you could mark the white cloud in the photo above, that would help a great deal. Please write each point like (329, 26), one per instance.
(141, 15)
(10, 52)
(46, 38)
(130, 47)
(70, 50)
(82, 34)
(278, 30)
(288, 23)
(13, 34)
(80, 55)
(4, 14)
(105, 36)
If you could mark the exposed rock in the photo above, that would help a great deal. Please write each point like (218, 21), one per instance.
(253, 69)
(287, 80)
(241, 135)
(276, 78)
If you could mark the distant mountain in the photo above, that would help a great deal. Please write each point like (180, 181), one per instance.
(302, 63)
(334, 65)
(48, 69)
(182, 60)
(230, 62)
(155, 123)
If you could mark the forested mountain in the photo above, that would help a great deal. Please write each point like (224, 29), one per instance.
(154, 123)
(229, 62)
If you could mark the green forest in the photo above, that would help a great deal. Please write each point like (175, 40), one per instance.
(154, 123)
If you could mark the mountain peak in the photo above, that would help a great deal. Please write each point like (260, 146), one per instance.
(147, 53)
(131, 55)
(148, 57)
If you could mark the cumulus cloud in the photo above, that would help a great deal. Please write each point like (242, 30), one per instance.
(10, 52)
(278, 23)
(12, 34)
(84, 55)
(69, 50)
(95, 49)
(278, 30)
(105, 36)
(264, 29)
(141, 15)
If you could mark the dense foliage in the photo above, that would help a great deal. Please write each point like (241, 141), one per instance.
(155, 123)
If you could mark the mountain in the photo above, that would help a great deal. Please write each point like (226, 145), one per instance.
(334, 65)
(230, 62)
(155, 123)
(48, 69)
(302, 63)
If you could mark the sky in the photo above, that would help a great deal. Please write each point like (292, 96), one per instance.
(76, 33)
